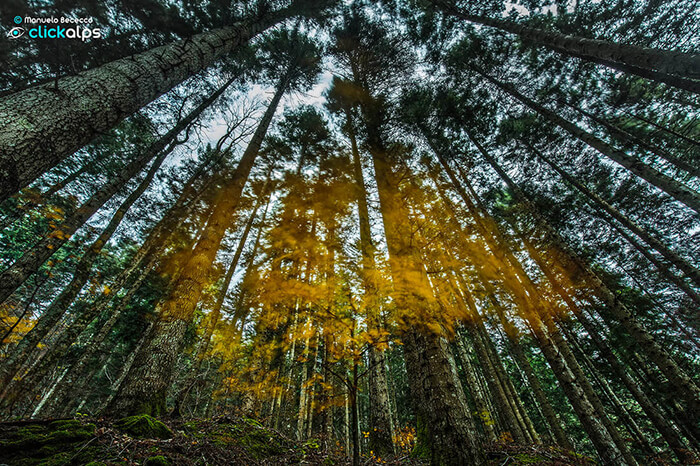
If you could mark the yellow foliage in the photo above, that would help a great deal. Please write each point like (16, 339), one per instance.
(405, 439)
(8, 320)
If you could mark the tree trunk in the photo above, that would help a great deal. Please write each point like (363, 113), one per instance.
(675, 68)
(683, 384)
(680, 263)
(482, 410)
(215, 314)
(548, 412)
(511, 332)
(81, 275)
(382, 433)
(44, 124)
(621, 411)
(545, 312)
(126, 368)
(498, 392)
(657, 419)
(143, 261)
(589, 416)
(29, 263)
(75, 378)
(625, 136)
(665, 183)
(146, 386)
(439, 402)
(665, 273)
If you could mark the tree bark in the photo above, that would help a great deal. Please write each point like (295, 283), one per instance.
(482, 410)
(437, 396)
(657, 419)
(42, 125)
(625, 136)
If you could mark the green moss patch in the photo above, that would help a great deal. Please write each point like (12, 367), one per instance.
(144, 426)
(159, 460)
(249, 434)
(58, 442)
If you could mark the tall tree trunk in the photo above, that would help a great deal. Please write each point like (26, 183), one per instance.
(512, 395)
(304, 390)
(437, 396)
(29, 263)
(626, 136)
(126, 368)
(44, 124)
(548, 412)
(511, 331)
(215, 314)
(536, 313)
(146, 386)
(142, 262)
(683, 384)
(546, 318)
(691, 272)
(664, 273)
(81, 275)
(382, 433)
(482, 410)
(665, 183)
(621, 411)
(680, 69)
(497, 389)
(75, 380)
(59, 185)
(657, 419)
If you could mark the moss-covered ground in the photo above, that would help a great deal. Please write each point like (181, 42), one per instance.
(143, 440)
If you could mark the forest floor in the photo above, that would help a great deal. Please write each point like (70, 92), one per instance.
(142, 440)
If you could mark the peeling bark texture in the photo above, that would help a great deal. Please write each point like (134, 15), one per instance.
(15, 275)
(665, 183)
(42, 125)
(662, 65)
(146, 385)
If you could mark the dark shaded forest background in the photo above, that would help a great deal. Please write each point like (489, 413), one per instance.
(403, 230)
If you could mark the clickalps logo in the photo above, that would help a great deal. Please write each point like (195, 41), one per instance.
(54, 28)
